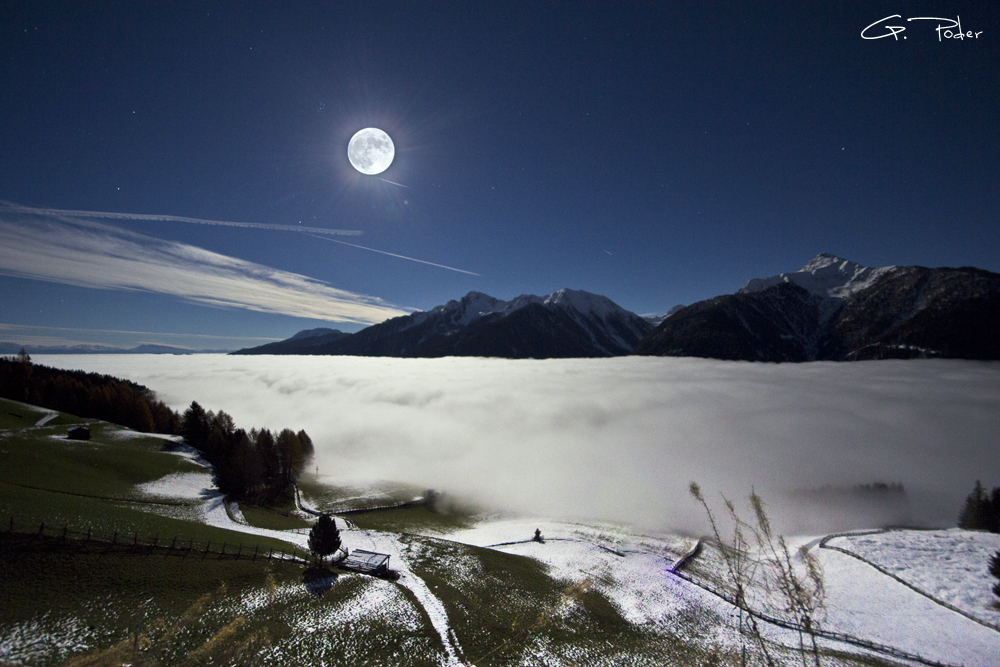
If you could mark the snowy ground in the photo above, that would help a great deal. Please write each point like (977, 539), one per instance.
(863, 602)
(197, 485)
(950, 565)
(632, 571)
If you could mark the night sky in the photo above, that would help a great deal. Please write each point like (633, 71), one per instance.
(655, 153)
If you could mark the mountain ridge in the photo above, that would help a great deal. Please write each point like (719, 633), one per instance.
(836, 310)
(830, 309)
(565, 323)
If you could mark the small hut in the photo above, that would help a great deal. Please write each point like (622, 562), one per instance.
(79, 433)
(367, 562)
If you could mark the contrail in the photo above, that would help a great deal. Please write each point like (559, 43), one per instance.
(391, 254)
(394, 183)
(176, 218)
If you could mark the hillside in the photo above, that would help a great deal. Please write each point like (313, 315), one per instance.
(470, 590)
(836, 310)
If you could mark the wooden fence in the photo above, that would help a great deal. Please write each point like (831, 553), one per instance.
(823, 545)
(78, 541)
(790, 625)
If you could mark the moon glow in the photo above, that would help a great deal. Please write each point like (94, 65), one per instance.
(371, 151)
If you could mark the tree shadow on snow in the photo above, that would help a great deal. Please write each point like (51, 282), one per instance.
(318, 580)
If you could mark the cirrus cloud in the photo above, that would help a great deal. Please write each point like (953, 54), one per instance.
(46, 245)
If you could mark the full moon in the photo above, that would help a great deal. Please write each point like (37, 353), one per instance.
(371, 151)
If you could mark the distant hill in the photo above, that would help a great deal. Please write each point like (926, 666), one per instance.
(834, 309)
(567, 323)
(7, 347)
(304, 342)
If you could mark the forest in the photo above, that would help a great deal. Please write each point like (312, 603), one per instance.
(256, 466)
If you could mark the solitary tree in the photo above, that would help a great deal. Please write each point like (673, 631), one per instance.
(324, 538)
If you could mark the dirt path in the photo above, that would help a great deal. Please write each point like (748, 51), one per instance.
(215, 514)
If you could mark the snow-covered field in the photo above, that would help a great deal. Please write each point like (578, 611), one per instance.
(632, 571)
(861, 602)
(867, 604)
(950, 565)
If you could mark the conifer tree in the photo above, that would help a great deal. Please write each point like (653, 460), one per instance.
(995, 571)
(993, 512)
(195, 426)
(324, 538)
(974, 513)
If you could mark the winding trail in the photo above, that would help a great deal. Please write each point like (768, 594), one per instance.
(824, 544)
(47, 418)
(924, 628)
(215, 514)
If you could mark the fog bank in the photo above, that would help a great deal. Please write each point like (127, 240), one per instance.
(614, 439)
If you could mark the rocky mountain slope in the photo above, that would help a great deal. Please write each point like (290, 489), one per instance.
(834, 309)
(567, 323)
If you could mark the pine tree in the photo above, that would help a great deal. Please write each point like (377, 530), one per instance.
(993, 511)
(995, 571)
(195, 426)
(973, 514)
(324, 538)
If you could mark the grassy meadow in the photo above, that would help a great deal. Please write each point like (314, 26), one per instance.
(74, 602)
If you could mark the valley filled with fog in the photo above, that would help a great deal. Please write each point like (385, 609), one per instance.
(616, 439)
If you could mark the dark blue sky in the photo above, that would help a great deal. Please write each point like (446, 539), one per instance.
(656, 153)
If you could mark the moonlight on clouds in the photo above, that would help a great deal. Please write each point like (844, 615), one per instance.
(371, 151)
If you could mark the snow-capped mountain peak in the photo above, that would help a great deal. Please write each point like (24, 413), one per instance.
(583, 302)
(474, 305)
(826, 276)
(610, 328)
(470, 307)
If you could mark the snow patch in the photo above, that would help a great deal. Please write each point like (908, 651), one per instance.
(826, 276)
(181, 486)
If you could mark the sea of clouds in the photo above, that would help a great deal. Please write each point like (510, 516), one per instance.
(615, 439)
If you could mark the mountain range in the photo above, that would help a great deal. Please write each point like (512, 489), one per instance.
(837, 310)
(830, 309)
(13, 348)
(567, 323)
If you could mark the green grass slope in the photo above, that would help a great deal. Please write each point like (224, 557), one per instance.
(74, 601)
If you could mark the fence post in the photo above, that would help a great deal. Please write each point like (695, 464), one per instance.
(65, 531)
(41, 528)
(206, 549)
(255, 553)
(239, 552)
(12, 524)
